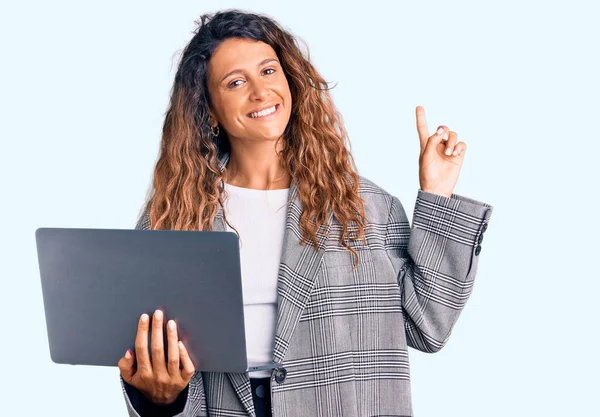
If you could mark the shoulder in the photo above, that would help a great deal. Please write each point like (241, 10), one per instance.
(370, 190)
(379, 203)
(143, 222)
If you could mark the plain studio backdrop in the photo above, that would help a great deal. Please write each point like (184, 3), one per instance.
(84, 90)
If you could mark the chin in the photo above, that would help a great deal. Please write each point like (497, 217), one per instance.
(266, 133)
(271, 135)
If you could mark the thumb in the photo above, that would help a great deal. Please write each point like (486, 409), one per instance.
(126, 366)
(439, 135)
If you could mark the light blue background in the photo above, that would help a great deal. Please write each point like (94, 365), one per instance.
(84, 88)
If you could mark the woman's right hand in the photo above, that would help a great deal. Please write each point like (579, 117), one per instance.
(160, 382)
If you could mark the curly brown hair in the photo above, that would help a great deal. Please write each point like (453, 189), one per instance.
(188, 182)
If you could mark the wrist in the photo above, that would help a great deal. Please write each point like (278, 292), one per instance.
(437, 192)
(164, 401)
(160, 399)
(162, 409)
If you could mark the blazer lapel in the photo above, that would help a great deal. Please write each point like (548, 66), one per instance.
(297, 274)
(240, 381)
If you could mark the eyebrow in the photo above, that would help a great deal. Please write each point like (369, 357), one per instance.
(235, 71)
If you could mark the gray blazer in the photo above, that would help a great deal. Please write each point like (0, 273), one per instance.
(342, 336)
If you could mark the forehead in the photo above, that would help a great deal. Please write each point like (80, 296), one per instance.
(236, 53)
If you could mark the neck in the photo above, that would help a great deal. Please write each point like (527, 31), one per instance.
(256, 166)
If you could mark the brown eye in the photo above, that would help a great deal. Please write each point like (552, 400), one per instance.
(270, 69)
(233, 84)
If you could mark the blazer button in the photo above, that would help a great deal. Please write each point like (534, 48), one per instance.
(481, 237)
(280, 374)
(477, 250)
(484, 228)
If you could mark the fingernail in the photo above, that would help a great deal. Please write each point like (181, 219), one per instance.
(454, 153)
(144, 317)
(448, 151)
(128, 353)
(158, 314)
(181, 345)
(440, 131)
(171, 325)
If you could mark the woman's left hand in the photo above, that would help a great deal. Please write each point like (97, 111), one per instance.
(438, 171)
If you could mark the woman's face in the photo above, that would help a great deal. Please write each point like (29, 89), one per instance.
(250, 96)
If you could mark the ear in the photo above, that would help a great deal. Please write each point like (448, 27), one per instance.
(212, 119)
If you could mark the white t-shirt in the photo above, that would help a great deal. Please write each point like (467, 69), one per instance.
(259, 217)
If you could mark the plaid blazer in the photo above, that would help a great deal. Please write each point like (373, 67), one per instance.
(342, 336)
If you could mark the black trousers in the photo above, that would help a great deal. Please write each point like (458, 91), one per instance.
(261, 395)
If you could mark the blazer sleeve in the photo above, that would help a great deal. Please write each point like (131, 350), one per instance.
(191, 401)
(437, 262)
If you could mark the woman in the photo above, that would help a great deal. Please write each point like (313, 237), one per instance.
(335, 280)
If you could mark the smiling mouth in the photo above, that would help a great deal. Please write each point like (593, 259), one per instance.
(264, 113)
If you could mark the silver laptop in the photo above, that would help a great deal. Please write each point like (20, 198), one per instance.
(96, 283)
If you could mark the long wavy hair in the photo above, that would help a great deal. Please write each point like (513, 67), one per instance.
(188, 184)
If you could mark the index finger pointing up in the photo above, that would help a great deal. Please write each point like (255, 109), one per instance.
(422, 126)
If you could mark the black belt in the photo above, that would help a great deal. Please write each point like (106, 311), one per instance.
(261, 395)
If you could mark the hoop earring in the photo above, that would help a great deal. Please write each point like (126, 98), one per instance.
(212, 131)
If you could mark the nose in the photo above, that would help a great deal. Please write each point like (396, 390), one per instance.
(259, 90)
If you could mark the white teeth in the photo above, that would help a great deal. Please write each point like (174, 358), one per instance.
(264, 112)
